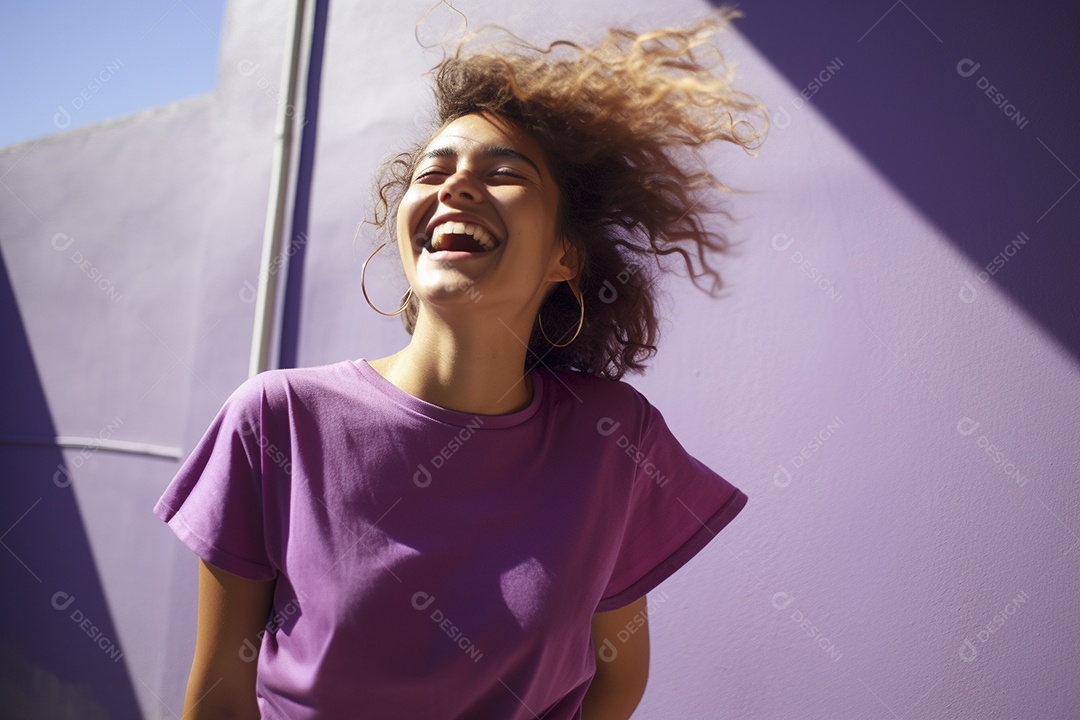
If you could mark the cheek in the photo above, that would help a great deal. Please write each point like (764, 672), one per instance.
(402, 229)
(407, 214)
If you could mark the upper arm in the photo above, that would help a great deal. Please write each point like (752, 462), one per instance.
(232, 616)
(621, 641)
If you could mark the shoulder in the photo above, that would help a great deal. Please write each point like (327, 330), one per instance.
(279, 390)
(613, 403)
(594, 386)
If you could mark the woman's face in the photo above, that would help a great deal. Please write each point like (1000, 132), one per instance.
(477, 226)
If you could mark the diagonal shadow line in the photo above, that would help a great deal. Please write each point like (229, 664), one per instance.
(982, 156)
(57, 636)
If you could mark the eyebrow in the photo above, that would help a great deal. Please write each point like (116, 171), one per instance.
(486, 152)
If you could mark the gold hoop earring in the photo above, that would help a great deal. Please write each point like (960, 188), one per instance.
(581, 322)
(404, 300)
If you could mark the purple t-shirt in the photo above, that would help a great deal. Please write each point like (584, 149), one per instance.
(432, 563)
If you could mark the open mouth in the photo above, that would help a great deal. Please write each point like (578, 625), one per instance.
(460, 237)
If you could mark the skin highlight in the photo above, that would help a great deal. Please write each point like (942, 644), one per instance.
(468, 351)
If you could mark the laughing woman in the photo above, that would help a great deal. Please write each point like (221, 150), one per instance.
(461, 529)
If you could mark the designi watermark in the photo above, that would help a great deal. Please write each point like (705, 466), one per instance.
(62, 117)
(62, 601)
(276, 455)
(781, 242)
(781, 118)
(422, 477)
(608, 651)
(608, 292)
(62, 478)
(249, 651)
(967, 426)
(968, 650)
(782, 477)
(249, 292)
(782, 601)
(607, 426)
(247, 68)
(422, 601)
(61, 242)
(968, 292)
(968, 67)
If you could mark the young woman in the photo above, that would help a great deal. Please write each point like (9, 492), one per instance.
(467, 528)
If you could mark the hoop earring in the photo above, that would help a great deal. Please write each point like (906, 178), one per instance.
(581, 322)
(404, 300)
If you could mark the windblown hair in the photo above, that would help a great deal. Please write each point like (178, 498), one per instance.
(622, 125)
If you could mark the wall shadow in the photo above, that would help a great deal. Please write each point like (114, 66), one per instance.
(60, 655)
(910, 92)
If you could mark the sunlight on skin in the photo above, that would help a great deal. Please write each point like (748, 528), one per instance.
(468, 349)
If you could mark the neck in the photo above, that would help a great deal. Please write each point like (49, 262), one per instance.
(473, 367)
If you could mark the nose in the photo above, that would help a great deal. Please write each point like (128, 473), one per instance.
(463, 185)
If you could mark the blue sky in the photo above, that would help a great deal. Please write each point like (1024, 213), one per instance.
(67, 64)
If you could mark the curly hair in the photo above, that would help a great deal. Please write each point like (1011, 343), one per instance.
(622, 125)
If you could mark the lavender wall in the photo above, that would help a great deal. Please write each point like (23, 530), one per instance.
(891, 563)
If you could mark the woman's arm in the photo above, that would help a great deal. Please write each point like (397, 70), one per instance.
(232, 610)
(621, 642)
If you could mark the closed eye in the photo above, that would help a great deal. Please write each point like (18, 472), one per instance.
(501, 172)
(508, 173)
(429, 173)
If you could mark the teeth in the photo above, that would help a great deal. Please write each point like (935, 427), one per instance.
(478, 233)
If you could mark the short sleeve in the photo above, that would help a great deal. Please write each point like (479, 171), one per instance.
(677, 506)
(215, 502)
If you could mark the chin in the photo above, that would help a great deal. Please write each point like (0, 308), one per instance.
(449, 291)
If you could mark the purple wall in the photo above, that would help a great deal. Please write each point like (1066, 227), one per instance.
(907, 432)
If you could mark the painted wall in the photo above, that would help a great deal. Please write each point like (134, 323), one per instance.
(906, 428)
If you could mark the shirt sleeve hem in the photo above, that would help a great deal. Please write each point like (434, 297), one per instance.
(239, 566)
(697, 542)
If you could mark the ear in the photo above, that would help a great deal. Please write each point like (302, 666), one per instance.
(569, 261)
